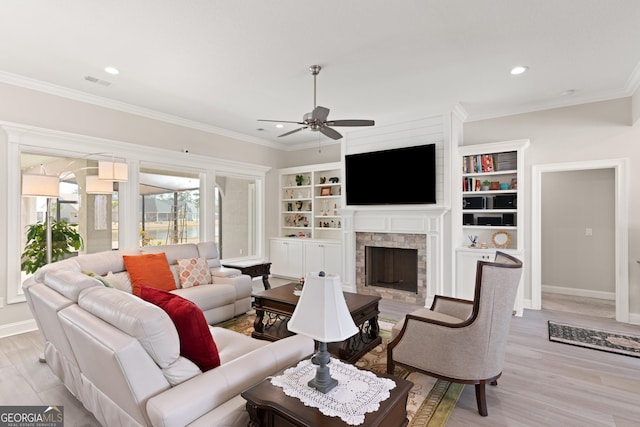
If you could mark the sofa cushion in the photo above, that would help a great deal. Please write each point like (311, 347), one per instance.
(196, 341)
(173, 252)
(193, 272)
(151, 270)
(209, 251)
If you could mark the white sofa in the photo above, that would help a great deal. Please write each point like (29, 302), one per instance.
(120, 355)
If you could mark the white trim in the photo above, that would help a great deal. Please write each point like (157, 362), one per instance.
(17, 328)
(575, 292)
(620, 167)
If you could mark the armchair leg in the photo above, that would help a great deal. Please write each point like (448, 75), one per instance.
(481, 398)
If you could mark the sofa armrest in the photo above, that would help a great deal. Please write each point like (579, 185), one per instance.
(200, 395)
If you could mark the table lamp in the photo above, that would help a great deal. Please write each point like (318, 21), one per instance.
(322, 314)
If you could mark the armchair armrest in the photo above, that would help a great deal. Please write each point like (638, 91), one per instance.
(459, 308)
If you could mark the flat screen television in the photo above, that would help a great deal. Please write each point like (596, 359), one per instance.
(400, 176)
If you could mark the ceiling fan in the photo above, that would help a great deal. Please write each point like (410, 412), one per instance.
(317, 119)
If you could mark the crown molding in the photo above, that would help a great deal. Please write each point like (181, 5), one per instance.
(550, 105)
(76, 95)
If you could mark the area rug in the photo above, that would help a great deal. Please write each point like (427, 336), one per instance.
(430, 402)
(628, 345)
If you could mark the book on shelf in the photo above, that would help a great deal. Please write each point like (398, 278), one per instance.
(506, 161)
(480, 163)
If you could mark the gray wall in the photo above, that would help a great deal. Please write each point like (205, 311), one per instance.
(573, 262)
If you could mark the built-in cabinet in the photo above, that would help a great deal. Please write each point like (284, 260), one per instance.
(295, 258)
(310, 227)
(489, 215)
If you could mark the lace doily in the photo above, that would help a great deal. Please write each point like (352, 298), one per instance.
(358, 392)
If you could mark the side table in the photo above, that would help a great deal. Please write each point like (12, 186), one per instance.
(254, 269)
(269, 406)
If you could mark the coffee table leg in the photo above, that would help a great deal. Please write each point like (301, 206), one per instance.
(374, 328)
(258, 326)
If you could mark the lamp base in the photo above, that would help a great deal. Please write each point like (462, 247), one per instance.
(322, 381)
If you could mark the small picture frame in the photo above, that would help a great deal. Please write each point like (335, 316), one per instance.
(325, 191)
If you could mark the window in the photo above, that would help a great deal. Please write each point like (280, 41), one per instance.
(169, 207)
(89, 215)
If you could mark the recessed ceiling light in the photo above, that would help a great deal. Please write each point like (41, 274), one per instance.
(519, 70)
(568, 92)
(112, 70)
(279, 125)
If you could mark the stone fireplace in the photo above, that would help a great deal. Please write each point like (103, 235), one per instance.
(375, 268)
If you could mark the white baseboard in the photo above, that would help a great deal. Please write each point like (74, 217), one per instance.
(634, 318)
(586, 293)
(17, 328)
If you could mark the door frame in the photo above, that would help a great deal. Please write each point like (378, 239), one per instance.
(621, 206)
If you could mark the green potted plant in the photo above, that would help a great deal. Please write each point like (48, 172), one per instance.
(299, 179)
(485, 185)
(64, 239)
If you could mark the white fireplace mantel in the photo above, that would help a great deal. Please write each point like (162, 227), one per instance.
(418, 219)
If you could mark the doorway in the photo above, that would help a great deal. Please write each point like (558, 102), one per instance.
(619, 229)
(578, 241)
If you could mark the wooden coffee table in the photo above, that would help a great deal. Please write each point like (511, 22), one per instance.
(275, 306)
(269, 406)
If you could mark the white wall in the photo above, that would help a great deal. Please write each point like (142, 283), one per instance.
(601, 130)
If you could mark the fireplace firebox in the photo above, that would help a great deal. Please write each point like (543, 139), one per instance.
(394, 268)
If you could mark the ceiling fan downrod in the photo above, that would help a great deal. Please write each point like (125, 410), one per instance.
(315, 70)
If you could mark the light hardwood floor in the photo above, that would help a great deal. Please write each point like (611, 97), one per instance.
(543, 383)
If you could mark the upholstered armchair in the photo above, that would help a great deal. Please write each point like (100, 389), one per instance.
(459, 340)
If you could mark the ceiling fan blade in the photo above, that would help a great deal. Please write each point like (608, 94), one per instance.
(293, 131)
(280, 121)
(351, 123)
(320, 113)
(331, 133)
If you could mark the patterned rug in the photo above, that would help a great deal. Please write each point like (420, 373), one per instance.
(430, 402)
(628, 345)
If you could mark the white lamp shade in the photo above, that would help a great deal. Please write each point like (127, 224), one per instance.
(95, 185)
(40, 186)
(113, 171)
(322, 311)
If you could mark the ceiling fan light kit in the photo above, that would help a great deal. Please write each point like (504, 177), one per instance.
(316, 120)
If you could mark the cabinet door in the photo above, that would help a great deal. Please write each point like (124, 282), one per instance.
(313, 257)
(286, 258)
(325, 257)
(466, 272)
(333, 259)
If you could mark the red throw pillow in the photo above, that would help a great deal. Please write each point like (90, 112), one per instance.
(151, 270)
(196, 342)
